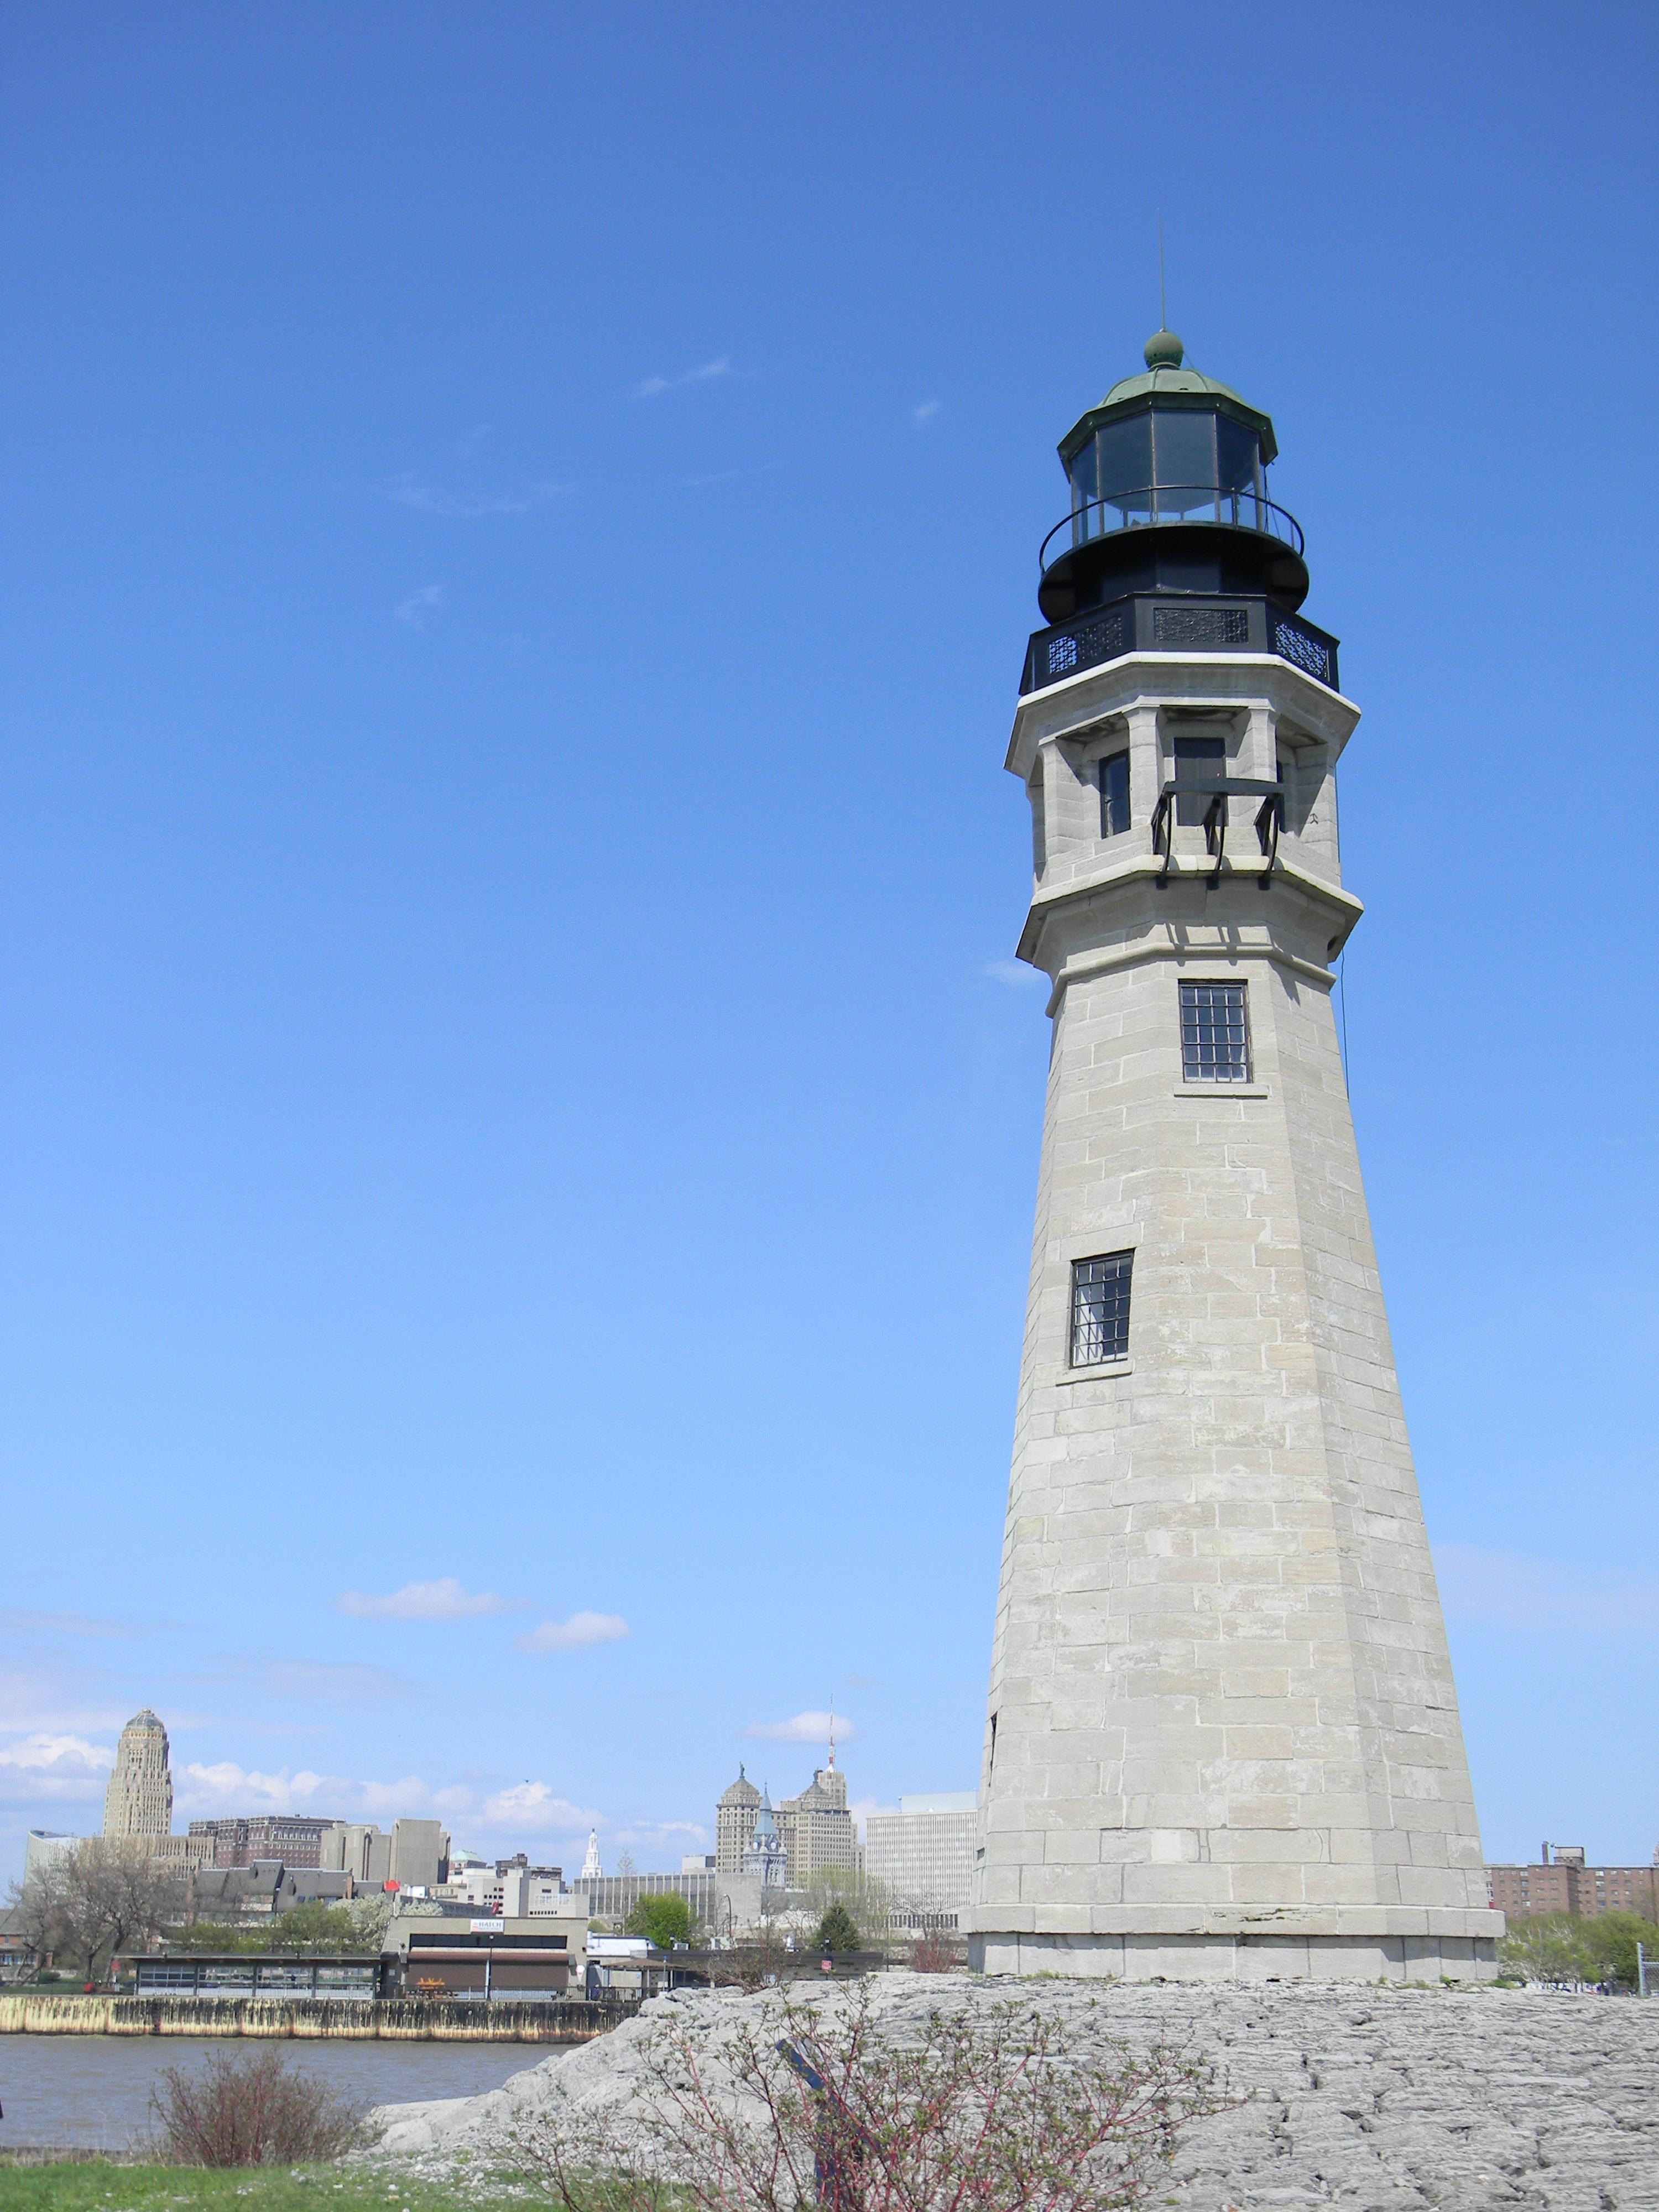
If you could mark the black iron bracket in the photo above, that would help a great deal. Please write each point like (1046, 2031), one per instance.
(1217, 789)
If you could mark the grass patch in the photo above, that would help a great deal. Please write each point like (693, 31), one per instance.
(104, 2185)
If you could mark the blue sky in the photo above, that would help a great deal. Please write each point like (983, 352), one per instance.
(520, 536)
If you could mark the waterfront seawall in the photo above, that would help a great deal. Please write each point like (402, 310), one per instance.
(406, 2020)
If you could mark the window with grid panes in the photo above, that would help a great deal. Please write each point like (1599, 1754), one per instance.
(1215, 1033)
(1100, 1308)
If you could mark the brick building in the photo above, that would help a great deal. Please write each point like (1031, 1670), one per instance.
(1562, 1882)
(295, 1839)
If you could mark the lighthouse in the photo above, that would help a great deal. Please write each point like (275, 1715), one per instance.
(1222, 1738)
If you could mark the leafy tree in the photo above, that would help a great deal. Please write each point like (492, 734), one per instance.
(216, 1936)
(1609, 1943)
(664, 1920)
(316, 1927)
(837, 1931)
(1547, 1946)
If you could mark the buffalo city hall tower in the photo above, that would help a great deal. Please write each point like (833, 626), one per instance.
(1222, 1738)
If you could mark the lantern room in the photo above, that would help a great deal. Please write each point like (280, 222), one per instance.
(1168, 478)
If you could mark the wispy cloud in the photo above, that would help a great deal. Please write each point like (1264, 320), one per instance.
(15, 1621)
(579, 1633)
(300, 1678)
(711, 372)
(60, 1700)
(923, 414)
(660, 1838)
(408, 490)
(414, 608)
(1517, 1591)
(804, 1728)
(1016, 974)
(445, 1600)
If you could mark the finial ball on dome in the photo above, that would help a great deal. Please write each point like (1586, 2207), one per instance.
(1165, 350)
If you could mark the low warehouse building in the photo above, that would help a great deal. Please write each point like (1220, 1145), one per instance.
(516, 1961)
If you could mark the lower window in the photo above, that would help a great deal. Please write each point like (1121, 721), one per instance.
(1100, 1308)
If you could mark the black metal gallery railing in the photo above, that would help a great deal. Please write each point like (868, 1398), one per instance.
(1243, 508)
(1178, 623)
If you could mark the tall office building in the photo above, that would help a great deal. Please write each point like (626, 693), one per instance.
(922, 1855)
(138, 1801)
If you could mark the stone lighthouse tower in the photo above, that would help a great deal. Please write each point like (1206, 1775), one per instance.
(1223, 1737)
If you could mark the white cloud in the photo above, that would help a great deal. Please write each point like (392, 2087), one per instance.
(925, 413)
(414, 608)
(804, 1728)
(579, 1633)
(653, 388)
(407, 490)
(45, 1765)
(533, 1808)
(1018, 974)
(1507, 1588)
(522, 1809)
(225, 1787)
(445, 1600)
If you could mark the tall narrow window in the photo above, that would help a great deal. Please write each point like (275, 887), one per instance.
(1215, 1033)
(1100, 1308)
(1114, 794)
(1199, 760)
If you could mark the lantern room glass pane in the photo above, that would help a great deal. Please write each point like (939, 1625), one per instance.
(1183, 450)
(1238, 456)
(1126, 464)
(1085, 475)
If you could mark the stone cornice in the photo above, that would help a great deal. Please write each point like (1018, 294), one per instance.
(1159, 942)
(1172, 679)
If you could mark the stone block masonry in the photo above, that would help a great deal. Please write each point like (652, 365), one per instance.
(1223, 1737)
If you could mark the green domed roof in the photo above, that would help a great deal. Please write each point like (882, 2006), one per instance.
(1166, 376)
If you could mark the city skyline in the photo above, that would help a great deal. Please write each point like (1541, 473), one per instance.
(520, 1105)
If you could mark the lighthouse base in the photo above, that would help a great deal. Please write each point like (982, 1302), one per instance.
(1220, 1954)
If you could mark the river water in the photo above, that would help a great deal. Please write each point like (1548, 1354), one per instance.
(94, 2091)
